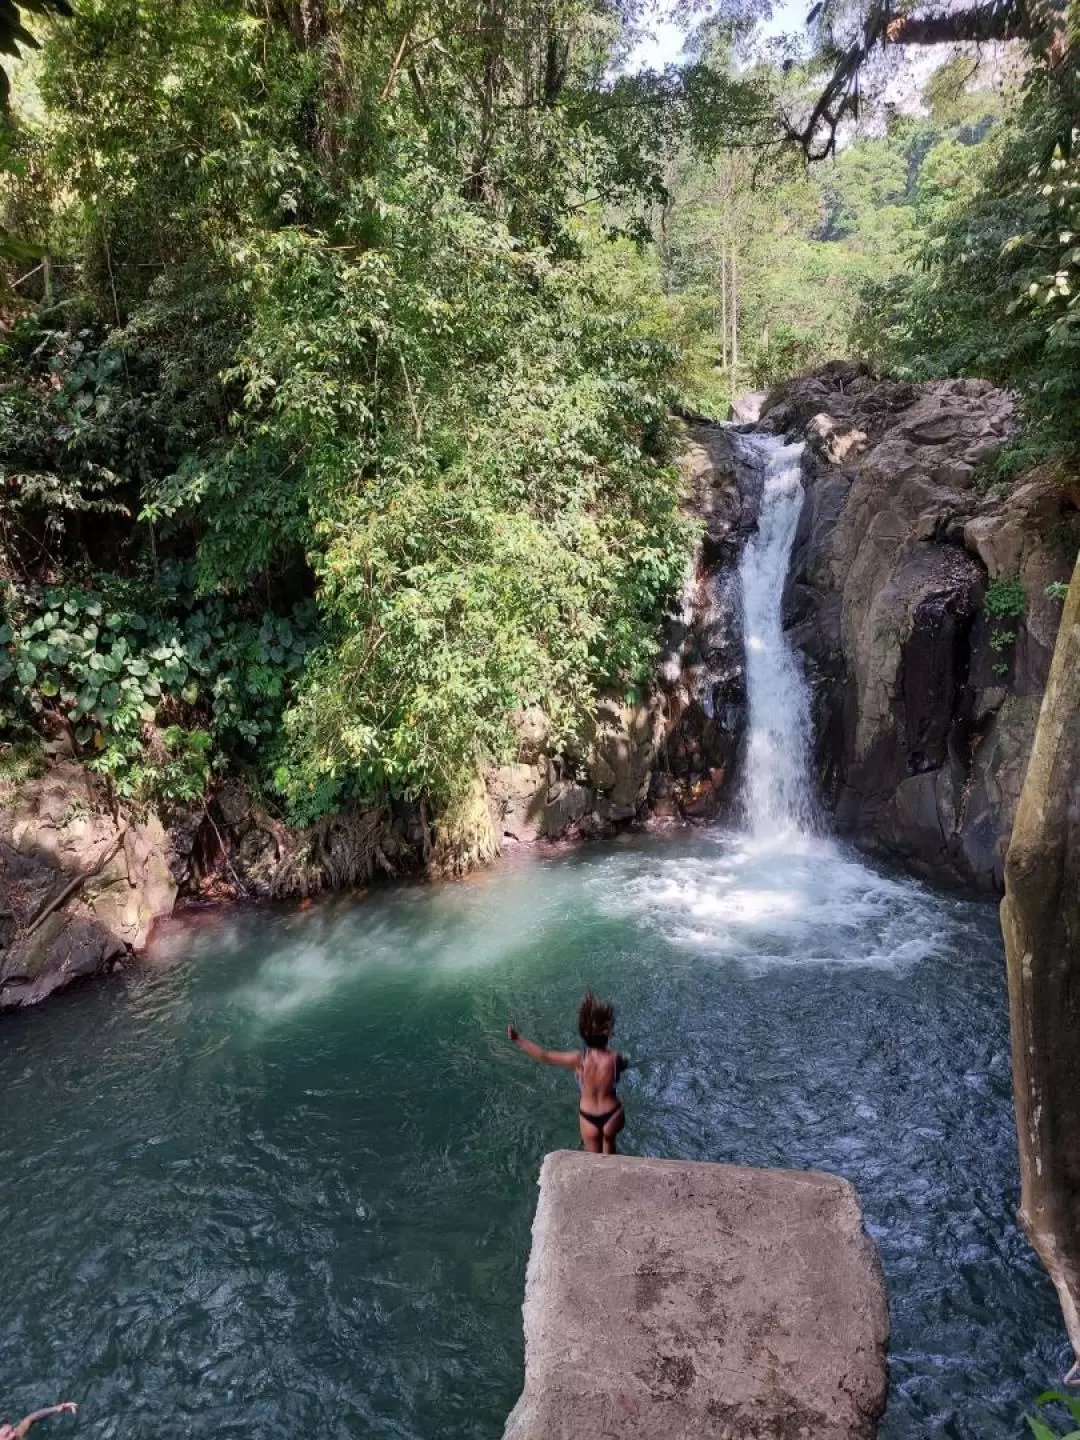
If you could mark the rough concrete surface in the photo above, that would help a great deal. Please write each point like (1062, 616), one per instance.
(671, 1299)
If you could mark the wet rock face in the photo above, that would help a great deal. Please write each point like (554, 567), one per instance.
(702, 675)
(736, 1302)
(79, 889)
(601, 781)
(924, 703)
(1040, 919)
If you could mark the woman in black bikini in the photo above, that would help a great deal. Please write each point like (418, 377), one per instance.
(600, 1111)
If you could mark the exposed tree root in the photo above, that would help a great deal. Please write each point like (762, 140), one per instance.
(464, 834)
(338, 853)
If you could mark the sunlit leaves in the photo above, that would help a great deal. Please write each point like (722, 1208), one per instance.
(108, 682)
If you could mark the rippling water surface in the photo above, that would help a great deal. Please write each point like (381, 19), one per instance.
(281, 1179)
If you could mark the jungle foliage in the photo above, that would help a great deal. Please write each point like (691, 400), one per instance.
(333, 309)
(995, 290)
(767, 261)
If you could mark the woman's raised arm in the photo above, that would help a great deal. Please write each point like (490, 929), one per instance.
(568, 1059)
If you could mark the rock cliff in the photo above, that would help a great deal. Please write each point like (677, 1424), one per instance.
(919, 600)
(79, 887)
(1040, 918)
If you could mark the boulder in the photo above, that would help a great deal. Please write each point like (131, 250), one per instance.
(834, 440)
(567, 803)
(622, 748)
(517, 796)
(746, 408)
(81, 886)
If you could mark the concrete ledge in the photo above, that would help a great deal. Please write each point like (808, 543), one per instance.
(670, 1299)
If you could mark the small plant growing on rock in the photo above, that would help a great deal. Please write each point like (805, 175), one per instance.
(1005, 603)
(1044, 1428)
(1057, 590)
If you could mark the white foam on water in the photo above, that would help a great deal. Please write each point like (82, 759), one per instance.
(766, 904)
(456, 930)
(292, 981)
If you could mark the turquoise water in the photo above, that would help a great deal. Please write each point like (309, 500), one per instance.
(280, 1179)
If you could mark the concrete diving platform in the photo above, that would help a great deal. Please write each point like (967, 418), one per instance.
(669, 1299)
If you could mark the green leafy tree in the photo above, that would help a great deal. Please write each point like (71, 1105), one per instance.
(343, 311)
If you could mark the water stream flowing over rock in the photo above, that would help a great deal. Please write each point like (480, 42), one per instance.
(777, 794)
(921, 698)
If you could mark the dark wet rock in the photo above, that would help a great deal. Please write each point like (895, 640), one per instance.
(909, 675)
(566, 805)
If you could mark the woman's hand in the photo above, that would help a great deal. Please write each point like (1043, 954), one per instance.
(68, 1407)
(512, 1033)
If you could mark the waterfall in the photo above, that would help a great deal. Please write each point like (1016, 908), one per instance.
(777, 793)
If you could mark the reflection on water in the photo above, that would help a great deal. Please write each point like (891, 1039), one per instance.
(284, 1176)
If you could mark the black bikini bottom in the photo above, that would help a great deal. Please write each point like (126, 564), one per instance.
(599, 1121)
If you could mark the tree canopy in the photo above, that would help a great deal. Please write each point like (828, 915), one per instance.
(848, 36)
(334, 311)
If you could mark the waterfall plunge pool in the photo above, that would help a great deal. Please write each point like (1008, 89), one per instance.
(284, 1180)
(281, 1177)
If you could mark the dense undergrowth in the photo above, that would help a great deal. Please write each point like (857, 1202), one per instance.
(333, 435)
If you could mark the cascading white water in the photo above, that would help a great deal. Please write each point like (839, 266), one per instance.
(777, 793)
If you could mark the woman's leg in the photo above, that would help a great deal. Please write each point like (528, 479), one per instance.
(611, 1130)
(592, 1137)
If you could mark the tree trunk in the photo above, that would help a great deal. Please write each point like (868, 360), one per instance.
(723, 302)
(478, 185)
(1040, 918)
(734, 317)
(976, 24)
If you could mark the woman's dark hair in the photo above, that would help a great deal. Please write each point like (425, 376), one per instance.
(595, 1021)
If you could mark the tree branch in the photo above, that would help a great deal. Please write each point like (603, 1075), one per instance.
(985, 22)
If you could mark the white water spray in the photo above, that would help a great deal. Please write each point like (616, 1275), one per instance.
(777, 792)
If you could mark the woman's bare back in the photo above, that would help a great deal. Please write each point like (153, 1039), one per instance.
(600, 1111)
(598, 1075)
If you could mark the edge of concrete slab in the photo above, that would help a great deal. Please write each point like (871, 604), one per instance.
(669, 1298)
